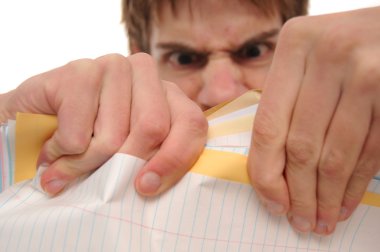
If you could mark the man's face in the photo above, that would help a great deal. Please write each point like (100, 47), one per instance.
(214, 50)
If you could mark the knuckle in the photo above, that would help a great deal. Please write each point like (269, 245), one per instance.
(109, 146)
(75, 144)
(153, 131)
(199, 129)
(332, 166)
(328, 207)
(175, 165)
(263, 182)
(75, 75)
(172, 87)
(354, 193)
(366, 169)
(369, 76)
(170, 84)
(300, 151)
(78, 67)
(261, 187)
(336, 44)
(112, 59)
(294, 31)
(294, 24)
(142, 58)
(265, 130)
(198, 125)
(298, 203)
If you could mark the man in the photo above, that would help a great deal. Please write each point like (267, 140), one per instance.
(213, 50)
(216, 50)
(317, 125)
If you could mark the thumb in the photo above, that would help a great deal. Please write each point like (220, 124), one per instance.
(56, 160)
(266, 166)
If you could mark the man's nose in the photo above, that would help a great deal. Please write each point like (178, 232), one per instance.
(222, 80)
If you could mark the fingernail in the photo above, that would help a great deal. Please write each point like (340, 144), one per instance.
(343, 213)
(274, 207)
(149, 183)
(301, 224)
(54, 186)
(42, 167)
(322, 227)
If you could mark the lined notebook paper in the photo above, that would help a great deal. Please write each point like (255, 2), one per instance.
(213, 208)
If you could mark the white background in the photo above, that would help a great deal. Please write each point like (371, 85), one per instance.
(38, 35)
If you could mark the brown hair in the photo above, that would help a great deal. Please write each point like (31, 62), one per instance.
(137, 16)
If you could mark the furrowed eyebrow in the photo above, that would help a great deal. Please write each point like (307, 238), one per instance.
(176, 46)
(179, 47)
(262, 36)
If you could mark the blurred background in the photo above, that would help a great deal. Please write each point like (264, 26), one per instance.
(38, 35)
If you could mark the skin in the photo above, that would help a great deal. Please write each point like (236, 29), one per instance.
(316, 133)
(314, 125)
(214, 58)
(317, 123)
(146, 121)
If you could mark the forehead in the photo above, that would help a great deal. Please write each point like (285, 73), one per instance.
(211, 22)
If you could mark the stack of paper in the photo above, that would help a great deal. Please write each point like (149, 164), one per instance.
(213, 208)
(7, 154)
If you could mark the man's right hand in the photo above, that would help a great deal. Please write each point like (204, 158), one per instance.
(108, 105)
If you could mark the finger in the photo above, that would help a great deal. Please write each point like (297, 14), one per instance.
(367, 167)
(344, 141)
(180, 149)
(109, 131)
(44, 92)
(75, 104)
(150, 115)
(267, 154)
(306, 137)
(368, 164)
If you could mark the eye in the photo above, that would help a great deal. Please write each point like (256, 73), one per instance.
(187, 59)
(252, 51)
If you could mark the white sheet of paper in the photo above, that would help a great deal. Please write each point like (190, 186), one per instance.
(104, 213)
